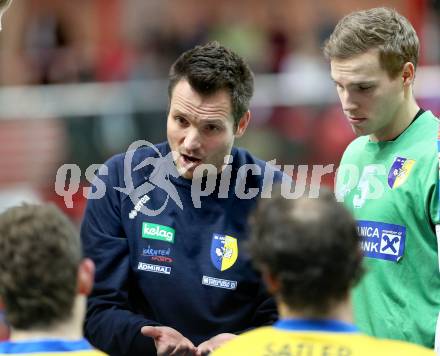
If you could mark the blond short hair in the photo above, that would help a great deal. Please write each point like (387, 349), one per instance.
(378, 28)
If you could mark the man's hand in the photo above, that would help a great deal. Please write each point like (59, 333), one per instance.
(169, 342)
(210, 345)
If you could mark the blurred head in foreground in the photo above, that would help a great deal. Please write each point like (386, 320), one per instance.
(43, 279)
(309, 253)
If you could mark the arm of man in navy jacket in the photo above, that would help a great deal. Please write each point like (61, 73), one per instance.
(112, 324)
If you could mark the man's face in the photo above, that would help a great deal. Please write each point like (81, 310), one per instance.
(369, 98)
(200, 129)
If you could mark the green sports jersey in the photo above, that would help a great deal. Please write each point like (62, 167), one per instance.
(392, 189)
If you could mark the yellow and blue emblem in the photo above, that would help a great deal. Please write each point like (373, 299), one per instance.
(399, 171)
(224, 251)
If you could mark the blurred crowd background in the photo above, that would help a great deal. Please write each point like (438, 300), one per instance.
(81, 80)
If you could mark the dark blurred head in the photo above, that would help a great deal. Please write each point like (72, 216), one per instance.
(211, 68)
(310, 247)
(39, 258)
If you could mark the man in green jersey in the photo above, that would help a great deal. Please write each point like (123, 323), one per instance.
(389, 175)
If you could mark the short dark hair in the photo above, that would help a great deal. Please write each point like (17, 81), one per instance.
(211, 68)
(40, 253)
(378, 28)
(310, 245)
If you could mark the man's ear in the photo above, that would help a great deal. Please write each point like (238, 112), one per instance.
(272, 283)
(243, 124)
(408, 73)
(86, 276)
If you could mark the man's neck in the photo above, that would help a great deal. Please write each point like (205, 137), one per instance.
(70, 329)
(402, 119)
(341, 312)
(63, 331)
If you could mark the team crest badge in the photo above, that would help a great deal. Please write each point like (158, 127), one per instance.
(399, 171)
(224, 251)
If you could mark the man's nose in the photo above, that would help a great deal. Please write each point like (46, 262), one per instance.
(349, 104)
(192, 140)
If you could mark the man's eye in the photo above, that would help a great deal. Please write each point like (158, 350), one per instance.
(212, 128)
(180, 120)
(365, 87)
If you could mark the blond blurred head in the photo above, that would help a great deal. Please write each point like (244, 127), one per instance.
(4, 4)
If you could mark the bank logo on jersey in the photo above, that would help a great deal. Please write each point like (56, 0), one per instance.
(158, 232)
(399, 171)
(224, 251)
(382, 241)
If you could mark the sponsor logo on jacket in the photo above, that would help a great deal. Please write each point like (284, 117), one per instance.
(157, 232)
(219, 283)
(137, 208)
(156, 254)
(153, 268)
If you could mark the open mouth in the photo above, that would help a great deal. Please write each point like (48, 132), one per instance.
(190, 159)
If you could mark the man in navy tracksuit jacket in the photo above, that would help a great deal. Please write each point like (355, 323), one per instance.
(172, 273)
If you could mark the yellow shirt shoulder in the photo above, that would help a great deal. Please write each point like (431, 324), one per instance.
(269, 341)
